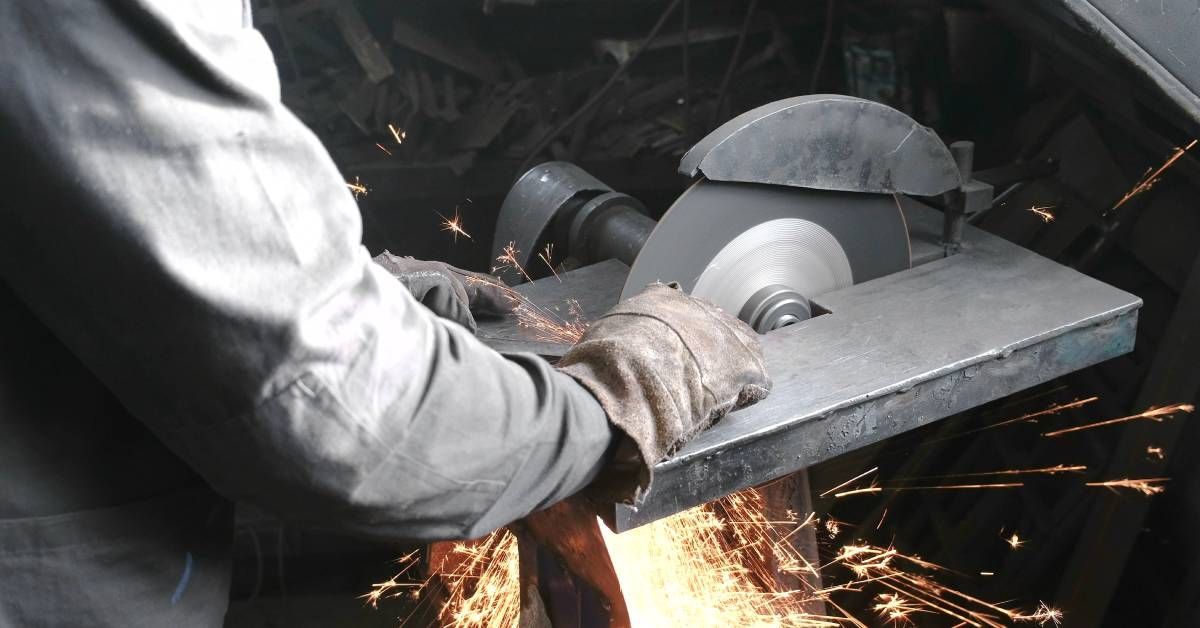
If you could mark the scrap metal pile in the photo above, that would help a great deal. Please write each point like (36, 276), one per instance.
(445, 87)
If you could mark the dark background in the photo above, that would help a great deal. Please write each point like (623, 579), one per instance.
(483, 83)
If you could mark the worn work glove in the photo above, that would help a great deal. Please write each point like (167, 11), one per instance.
(451, 293)
(664, 366)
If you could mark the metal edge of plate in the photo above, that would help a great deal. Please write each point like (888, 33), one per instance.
(923, 403)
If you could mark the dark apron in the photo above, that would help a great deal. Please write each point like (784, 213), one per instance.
(100, 525)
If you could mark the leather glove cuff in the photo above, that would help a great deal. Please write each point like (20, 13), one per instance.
(664, 366)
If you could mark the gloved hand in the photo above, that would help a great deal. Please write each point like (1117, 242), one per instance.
(450, 292)
(664, 366)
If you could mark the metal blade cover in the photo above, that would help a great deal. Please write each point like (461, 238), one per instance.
(729, 242)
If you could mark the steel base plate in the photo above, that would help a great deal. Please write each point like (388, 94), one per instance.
(891, 355)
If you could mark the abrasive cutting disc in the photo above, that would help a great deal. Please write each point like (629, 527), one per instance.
(726, 241)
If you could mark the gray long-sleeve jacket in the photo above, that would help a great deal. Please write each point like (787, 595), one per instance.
(185, 306)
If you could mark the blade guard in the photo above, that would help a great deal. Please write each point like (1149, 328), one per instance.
(827, 142)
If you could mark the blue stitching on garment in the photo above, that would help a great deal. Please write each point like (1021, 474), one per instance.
(183, 579)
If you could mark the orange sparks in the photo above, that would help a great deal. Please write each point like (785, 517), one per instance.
(1043, 212)
(1152, 176)
(711, 566)
(546, 256)
(891, 570)
(545, 323)
(383, 149)
(357, 188)
(454, 225)
(399, 134)
(1156, 452)
(1056, 469)
(934, 487)
(895, 609)
(509, 259)
(1153, 414)
(549, 326)
(1031, 417)
(1042, 616)
(987, 573)
(718, 565)
(881, 518)
(851, 481)
(1014, 541)
(858, 491)
(1147, 486)
(480, 583)
(693, 569)
(481, 580)
(1054, 409)
(393, 587)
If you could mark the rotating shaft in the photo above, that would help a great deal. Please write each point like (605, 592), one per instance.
(760, 251)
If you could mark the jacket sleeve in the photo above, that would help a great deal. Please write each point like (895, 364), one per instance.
(192, 242)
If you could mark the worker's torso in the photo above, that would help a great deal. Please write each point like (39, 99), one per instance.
(100, 524)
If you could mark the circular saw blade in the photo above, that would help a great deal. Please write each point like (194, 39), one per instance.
(726, 241)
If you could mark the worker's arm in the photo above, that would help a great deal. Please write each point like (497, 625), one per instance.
(192, 242)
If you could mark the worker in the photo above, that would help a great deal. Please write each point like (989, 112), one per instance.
(188, 319)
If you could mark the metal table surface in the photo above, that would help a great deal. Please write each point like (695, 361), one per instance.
(893, 354)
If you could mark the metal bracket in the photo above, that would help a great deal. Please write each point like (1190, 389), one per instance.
(972, 197)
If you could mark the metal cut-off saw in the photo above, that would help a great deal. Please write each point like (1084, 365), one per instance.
(837, 227)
